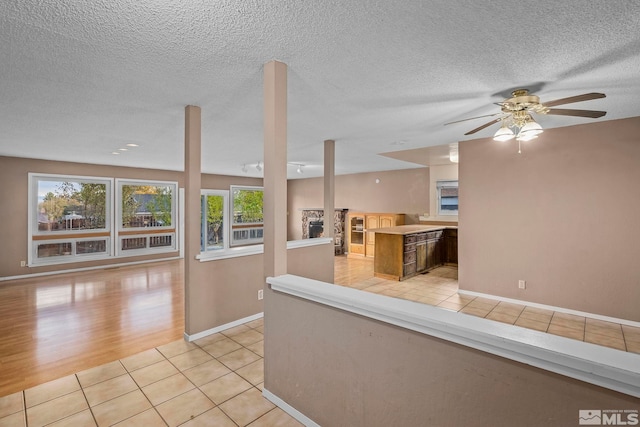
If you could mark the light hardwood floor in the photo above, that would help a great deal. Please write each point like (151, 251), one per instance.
(54, 326)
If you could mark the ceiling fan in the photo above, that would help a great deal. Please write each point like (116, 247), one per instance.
(516, 114)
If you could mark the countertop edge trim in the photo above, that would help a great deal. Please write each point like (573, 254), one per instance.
(602, 366)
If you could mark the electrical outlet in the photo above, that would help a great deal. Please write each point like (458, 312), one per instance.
(260, 294)
(23, 263)
(522, 284)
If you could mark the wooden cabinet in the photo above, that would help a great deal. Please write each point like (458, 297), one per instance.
(435, 246)
(410, 256)
(421, 252)
(391, 253)
(362, 240)
(399, 256)
(396, 256)
(356, 234)
(371, 222)
(451, 246)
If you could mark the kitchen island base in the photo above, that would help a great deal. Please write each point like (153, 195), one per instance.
(405, 251)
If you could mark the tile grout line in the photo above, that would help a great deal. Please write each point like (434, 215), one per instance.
(93, 416)
(624, 339)
(181, 371)
(402, 295)
(142, 391)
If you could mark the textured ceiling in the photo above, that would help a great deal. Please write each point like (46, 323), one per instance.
(82, 79)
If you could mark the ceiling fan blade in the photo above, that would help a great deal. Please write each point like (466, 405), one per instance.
(484, 126)
(472, 118)
(578, 113)
(577, 98)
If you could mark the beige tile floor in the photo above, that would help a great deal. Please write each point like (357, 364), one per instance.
(439, 288)
(214, 381)
(217, 380)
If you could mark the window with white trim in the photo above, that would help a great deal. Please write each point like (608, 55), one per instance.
(69, 218)
(146, 215)
(247, 223)
(447, 197)
(213, 213)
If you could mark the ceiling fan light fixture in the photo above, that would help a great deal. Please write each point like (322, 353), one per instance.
(530, 128)
(503, 134)
(526, 137)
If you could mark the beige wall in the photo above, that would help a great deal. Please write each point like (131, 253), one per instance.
(440, 173)
(231, 290)
(563, 216)
(342, 369)
(14, 194)
(402, 191)
(315, 262)
(229, 294)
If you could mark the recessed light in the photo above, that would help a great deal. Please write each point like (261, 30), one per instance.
(132, 145)
(123, 149)
(115, 152)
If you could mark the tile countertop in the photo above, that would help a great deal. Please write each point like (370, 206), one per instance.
(411, 229)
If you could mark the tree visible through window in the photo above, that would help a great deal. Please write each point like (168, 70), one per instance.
(146, 205)
(71, 205)
(147, 216)
(214, 206)
(248, 215)
(69, 218)
(247, 205)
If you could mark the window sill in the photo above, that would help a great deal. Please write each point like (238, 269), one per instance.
(258, 249)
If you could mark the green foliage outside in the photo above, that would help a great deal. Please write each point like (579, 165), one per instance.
(247, 206)
(158, 204)
(53, 206)
(215, 217)
(87, 201)
(129, 204)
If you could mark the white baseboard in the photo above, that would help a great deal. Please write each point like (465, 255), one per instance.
(81, 269)
(552, 308)
(289, 409)
(222, 327)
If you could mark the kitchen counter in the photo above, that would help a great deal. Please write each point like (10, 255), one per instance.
(413, 228)
(406, 250)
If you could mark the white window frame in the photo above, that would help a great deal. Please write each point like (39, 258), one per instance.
(36, 237)
(249, 227)
(123, 233)
(446, 184)
(203, 221)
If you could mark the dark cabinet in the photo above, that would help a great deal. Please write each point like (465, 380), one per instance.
(434, 249)
(409, 257)
(421, 256)
(451, 246)
(400, 256)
